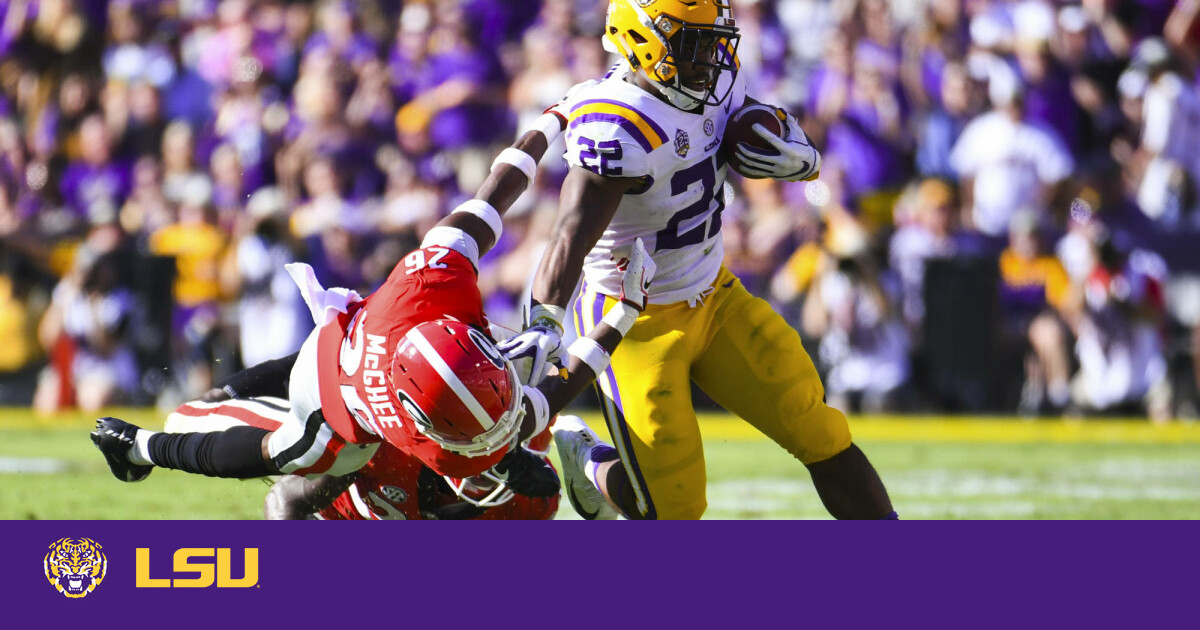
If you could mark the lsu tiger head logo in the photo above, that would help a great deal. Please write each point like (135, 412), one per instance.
(75, 566)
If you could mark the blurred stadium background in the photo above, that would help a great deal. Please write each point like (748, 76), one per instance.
(997, 272)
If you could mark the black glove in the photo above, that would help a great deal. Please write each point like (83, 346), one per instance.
(527, 474)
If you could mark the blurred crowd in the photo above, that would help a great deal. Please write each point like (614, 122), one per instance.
(1008, 217)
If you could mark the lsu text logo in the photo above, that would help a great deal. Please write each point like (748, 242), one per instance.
(75, 566)
(199, 560)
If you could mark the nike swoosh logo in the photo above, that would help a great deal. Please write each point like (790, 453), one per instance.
(727, 284)
(588, 516)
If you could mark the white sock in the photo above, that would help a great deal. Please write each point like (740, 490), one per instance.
(603, 453)
(140, 453)
(589, 471)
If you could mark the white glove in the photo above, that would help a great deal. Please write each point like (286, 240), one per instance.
(796, 159)
(638, 270)
(536, 347)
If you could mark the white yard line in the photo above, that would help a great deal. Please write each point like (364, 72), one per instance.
(33, 466)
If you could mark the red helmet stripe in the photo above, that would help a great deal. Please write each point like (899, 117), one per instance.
(464, 395)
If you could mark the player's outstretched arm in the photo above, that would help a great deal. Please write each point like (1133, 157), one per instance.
(294, 498)
(590, 355)
(511, 174)
(588, 204)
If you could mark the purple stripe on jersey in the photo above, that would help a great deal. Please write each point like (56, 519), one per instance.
(617, 427)
(624, 123)
(580, 330)
(598, 309)
(662, 135)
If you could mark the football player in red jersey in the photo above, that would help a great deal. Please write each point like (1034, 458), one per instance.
(411, 365)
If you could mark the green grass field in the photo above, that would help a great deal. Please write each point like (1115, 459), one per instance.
(935, 468)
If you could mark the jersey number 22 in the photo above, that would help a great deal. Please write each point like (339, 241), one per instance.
(703, 172)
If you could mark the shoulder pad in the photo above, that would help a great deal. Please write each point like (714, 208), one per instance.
(611, 138)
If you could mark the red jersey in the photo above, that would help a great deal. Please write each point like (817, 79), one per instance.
(354, 353)
(388, 488)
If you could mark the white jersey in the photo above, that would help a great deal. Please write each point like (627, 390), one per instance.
(617, 129)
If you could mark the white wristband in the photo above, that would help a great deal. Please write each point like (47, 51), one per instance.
(485, 211)
(454, 238)
(552, 312)
(519, 159)
(591, 353)
(541, 408)
(622, 316)
(550, 125)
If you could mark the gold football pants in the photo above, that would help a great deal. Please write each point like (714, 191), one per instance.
(741, 353)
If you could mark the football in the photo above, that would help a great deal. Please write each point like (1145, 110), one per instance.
(740, 129)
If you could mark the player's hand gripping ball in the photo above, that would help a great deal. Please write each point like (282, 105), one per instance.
(762, 141)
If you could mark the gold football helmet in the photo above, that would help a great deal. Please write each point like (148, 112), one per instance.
(656, 36)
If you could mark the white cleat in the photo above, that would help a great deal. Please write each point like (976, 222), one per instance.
(574, 440)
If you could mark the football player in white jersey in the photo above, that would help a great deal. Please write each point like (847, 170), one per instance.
(644, 150)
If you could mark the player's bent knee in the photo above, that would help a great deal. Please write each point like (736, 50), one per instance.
(822, 434)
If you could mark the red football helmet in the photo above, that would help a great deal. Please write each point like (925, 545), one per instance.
(457, 388)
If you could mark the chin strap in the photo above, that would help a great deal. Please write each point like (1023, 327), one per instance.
(677, 95)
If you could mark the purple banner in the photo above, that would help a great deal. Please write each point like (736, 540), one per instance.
(718, 574)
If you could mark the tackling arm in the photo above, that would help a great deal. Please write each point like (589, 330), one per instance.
(527, 473)
(588, 204)
(580, 375)
(590, 355)
(512, 173)
(502, 187)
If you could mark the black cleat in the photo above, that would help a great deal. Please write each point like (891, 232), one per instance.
(114, 438)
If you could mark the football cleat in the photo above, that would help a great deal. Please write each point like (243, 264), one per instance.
(114, 438)
(575, 441)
